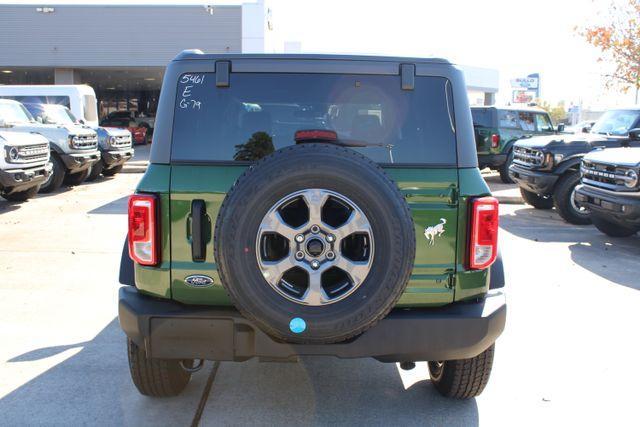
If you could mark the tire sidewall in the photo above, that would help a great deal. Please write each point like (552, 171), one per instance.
(368, 188)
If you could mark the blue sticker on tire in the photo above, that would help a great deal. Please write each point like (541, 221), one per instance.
(297, 325)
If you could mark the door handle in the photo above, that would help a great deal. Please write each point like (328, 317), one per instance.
(198, 231)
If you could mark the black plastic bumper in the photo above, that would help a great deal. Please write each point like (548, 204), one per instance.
(536, 182)
(13, 180)
(171, 330)
(79, 162)
(492, 160)
(116, 157)
(614, 207)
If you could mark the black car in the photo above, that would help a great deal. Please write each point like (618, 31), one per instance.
(547, 168)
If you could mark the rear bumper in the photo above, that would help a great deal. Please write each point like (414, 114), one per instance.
(615, 207)
(116, 157)
(492, 160)
(77, 162)
(536, 182)
(170, 330)
(13, 180)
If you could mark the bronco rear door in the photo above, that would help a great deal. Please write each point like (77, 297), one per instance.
(220, 130)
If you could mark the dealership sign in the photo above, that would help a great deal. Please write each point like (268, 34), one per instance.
(525, 83)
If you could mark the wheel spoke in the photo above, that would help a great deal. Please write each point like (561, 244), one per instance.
(315, 295)
(356, 223)
(272, 271)
(357, 270)
(273, 223)
(315, 200)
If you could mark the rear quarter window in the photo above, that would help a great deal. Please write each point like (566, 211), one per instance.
(261, 112)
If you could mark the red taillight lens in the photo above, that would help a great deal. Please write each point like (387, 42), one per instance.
(495, 141)
(483, 240)
(142, 229)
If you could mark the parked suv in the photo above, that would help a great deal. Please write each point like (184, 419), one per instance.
(74, 148)
(547, 168)
(610, 189)
(114, 144)
(312, 205)
(24, 164)
(498, 128)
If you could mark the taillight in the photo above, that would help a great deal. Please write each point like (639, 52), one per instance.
(143, 245)
(483, 240)
(495, 141)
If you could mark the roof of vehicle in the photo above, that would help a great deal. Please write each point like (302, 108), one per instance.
(8, 101)
(532, 109)
(191, 54)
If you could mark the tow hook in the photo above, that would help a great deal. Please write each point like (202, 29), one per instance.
(194, 368)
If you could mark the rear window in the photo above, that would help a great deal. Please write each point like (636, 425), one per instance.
(482, 117)
(261, 112)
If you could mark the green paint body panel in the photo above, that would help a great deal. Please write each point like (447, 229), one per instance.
(438, 277)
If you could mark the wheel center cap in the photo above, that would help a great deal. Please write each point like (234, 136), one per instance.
(315, 247)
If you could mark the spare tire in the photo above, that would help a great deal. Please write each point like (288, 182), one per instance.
(314, 243)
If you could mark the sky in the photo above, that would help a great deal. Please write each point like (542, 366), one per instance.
(515, 37)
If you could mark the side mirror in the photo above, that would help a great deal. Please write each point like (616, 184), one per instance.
(634, 134)
(81, 121)
(561, 127)
(586, 129)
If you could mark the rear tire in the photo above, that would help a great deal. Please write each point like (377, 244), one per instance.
(57, 175)
(96, 170)
(464, 378)
(504, 169)
(563, 200)
(156, 377)
(611, 229)
(77, 178)
(21, 196)
(114, 170)
(535, 200)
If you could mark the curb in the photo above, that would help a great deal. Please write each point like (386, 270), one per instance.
(509, 200)
(134, 169)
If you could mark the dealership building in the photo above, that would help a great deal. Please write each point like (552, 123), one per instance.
(122, 50)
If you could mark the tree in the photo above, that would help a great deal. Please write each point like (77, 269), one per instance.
(557, 113)
(619, 42)
(258, 146)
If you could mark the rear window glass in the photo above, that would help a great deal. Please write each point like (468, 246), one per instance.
(482, 117)
(261, 112)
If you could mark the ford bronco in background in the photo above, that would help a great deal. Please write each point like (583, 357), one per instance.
(74, 148)
(547, 168)
(498, 128)
(312, 205)
(114, 144)
(24, 164)
(610, 189)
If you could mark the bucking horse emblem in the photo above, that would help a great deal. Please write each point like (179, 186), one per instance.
(434, 231)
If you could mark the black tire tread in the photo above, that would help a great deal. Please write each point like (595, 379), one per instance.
(403, 273)
(58, 175)
(561, 195)
(77, 178)
(155, 377)
(466, 378)
(611, 229)
(114, 170)
(535, 200)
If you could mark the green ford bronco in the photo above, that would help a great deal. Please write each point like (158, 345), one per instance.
(498, 128)
(312, 205)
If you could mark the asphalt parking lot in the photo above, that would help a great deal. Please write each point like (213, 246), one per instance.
(569, 353)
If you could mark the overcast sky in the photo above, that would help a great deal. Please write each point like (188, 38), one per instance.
(515, 37)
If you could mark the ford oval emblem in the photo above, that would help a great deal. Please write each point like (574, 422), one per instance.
(198, 281)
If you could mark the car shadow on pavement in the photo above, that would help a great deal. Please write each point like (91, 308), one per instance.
(7, 206)
(115, 207)
(329, 391)
(93, 387)
(614, 259)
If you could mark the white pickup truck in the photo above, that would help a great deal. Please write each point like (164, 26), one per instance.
(24, 164)
(74, 148)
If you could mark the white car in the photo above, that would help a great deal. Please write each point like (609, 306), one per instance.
(24, 164)
(74, 148)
